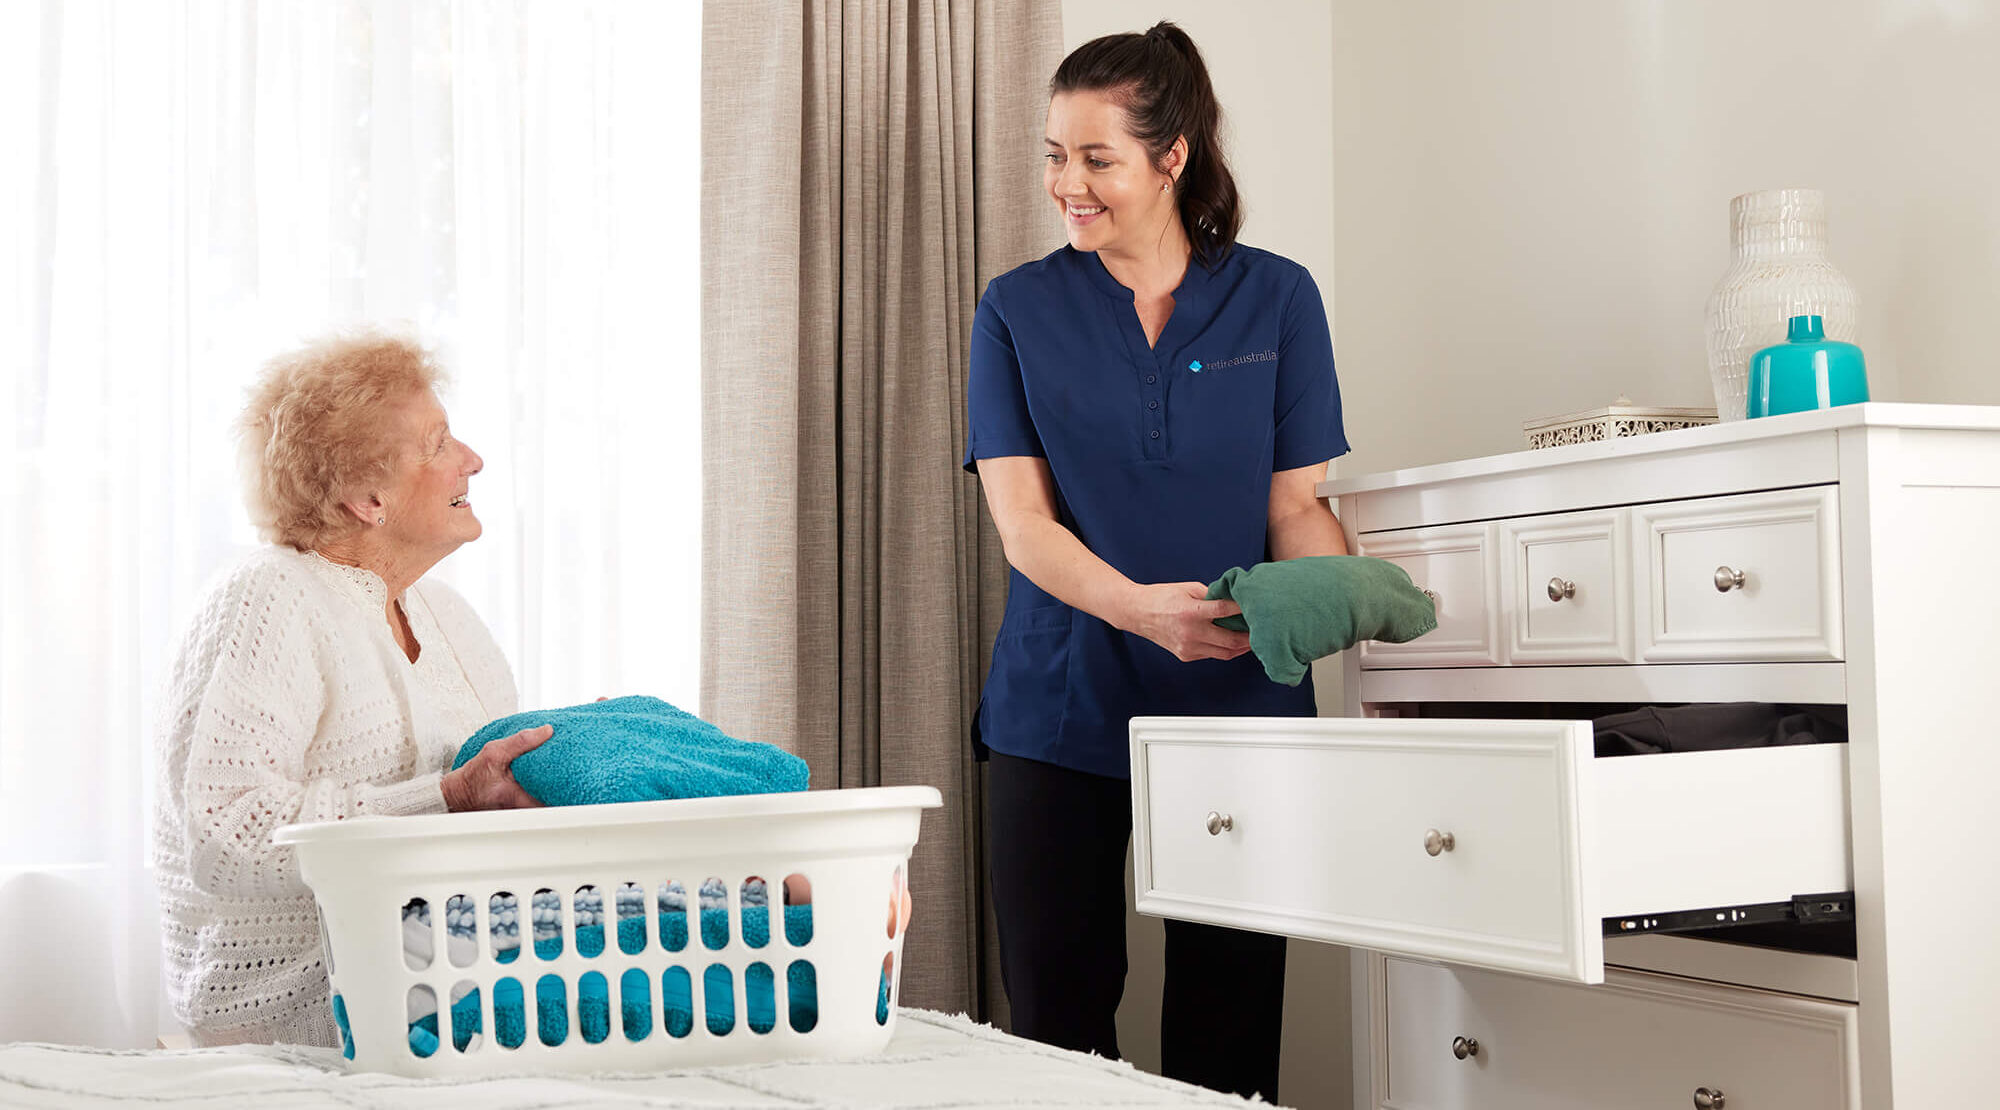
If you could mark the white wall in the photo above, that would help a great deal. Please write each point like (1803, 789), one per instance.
(1533, 198)
(1268, 60)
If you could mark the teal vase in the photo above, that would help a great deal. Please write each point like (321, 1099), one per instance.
(1809, 371)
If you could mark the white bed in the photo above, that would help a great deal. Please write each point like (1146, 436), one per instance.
(935, 1061)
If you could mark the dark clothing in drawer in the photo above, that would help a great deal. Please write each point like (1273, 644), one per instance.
(1654, 729)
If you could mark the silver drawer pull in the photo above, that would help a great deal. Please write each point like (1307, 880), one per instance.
(1727, 580)
(1435, 841)
(1560, 588)
(1462, 1047)
(1219, 823)
(1707, 1099)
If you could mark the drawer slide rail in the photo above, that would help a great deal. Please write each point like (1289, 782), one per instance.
(1802, 909)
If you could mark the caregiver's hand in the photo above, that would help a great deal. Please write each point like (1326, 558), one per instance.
(1179, 617)
(487, 779)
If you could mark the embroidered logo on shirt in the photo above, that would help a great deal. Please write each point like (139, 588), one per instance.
(1239, 360)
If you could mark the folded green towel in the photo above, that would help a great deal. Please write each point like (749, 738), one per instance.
(1299, 610)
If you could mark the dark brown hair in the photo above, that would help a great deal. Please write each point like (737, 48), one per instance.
(1159, 80)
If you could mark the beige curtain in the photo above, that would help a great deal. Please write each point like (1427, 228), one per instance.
(867, 165)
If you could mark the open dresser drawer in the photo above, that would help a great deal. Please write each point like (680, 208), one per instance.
(1495, 843)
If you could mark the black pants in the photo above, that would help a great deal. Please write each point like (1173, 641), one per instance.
(1058, 840)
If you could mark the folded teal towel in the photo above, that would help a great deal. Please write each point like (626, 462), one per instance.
(637, 749)
(1299, 610)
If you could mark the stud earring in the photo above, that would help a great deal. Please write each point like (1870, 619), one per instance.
(1166, 186)
(381, 520)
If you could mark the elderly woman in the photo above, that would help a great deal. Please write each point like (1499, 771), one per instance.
(322, 678)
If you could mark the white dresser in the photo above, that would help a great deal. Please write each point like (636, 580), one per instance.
(1457, 829)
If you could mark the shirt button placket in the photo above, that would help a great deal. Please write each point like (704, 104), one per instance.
(1154, 421)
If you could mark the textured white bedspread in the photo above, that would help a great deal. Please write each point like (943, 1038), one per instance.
(935, 1061)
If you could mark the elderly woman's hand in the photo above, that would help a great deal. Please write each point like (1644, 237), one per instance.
(487, 780)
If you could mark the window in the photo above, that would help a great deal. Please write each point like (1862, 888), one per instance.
(204, 185)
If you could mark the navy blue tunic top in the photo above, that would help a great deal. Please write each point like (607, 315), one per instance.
(1162, 459)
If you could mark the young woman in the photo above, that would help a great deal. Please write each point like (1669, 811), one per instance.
(1150, 406)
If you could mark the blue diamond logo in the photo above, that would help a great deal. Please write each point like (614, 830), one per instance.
(1195, 366)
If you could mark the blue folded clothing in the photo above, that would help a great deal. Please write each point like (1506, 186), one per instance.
(593, 993)
(593, 1002)
(637, 749)
(669, 924)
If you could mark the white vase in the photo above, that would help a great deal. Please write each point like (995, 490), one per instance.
(1778, 270)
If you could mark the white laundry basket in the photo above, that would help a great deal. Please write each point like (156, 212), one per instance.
(850, 846)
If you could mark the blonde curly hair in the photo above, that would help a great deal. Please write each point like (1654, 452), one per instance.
(315, 431)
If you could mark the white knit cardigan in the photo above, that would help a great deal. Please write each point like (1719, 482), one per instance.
(291, 701)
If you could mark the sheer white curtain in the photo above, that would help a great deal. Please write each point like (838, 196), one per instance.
(190, 186)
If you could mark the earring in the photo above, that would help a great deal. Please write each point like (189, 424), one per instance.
(381, 520)
(1166, 186)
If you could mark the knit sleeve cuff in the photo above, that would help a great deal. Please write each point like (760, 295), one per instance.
(423, 794)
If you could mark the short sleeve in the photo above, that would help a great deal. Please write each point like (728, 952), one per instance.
(1307, 411)
(996, 400)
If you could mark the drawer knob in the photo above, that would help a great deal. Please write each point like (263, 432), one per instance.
(1727, 580)
(1462, 1047)
(1706, 1098)
(1435, 599)
(1219, 823)
(1435, 841)
(1560, 588)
